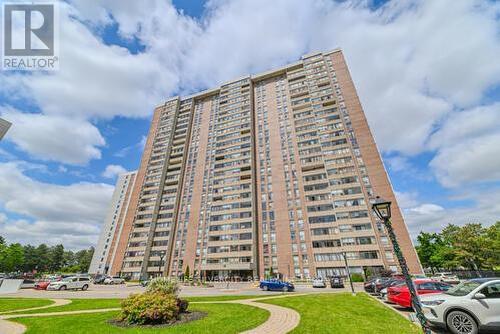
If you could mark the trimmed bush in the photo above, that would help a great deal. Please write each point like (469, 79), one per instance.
(163, 285)
(150, 309)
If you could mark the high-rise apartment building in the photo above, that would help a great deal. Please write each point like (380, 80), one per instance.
(4, 126)
(105, 250)
(273, 172)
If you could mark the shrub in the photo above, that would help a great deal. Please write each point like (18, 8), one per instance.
(163, 285)
(149, 308)
(182, 304)
(355, 277)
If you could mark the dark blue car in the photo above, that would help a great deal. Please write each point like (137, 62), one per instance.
(276, 285)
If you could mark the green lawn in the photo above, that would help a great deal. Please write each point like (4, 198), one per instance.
(11, 304)
(92, 304)
(221, 318)
(344, 313)
(80, 304)
(222, 298)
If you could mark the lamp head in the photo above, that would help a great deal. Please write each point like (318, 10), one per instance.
(382, 208)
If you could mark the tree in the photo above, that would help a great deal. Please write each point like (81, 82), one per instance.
(492, 234)
(30, 258)
(42, 252)
(186, 272)
(56, 258)
(83, 259)
(470, 246)
(428, 250)
(13, 258)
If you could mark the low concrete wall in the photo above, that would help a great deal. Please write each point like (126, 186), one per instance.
(10, 285)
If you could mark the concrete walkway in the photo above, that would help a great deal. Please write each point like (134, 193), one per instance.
(281, 319)
(9, 327)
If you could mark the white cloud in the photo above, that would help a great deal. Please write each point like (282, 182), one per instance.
(415, 64)
(411, 60)
(427, 208)
(406, 199)
(48, 137)
(468, 147)
(113, 171)
(483, 206)
(409, 63)
(59, 212)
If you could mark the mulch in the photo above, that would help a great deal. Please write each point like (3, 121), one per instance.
(183, 318)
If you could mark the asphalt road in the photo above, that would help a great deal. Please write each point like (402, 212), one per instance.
(124, 290)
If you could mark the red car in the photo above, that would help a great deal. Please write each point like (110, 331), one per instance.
(401, 295)
(42, 285)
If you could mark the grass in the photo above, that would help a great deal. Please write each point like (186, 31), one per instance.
(222, 298)
(80, 304)
(221, 318)
(344, 313)
(12, 304)
(92, 304)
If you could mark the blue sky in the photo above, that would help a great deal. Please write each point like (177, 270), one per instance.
(431, 97)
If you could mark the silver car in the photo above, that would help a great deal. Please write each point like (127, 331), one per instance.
(466, 308)
(318, 283)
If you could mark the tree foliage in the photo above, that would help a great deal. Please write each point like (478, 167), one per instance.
(471, 246)
(42, 258)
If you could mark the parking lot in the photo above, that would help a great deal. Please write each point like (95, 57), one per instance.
(124, 290)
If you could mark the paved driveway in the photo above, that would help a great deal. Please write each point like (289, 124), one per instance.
(123, 290)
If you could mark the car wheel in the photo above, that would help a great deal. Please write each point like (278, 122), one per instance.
(62, 287)
(461, 323)
(285, 289)
(265, 288)
(85, 287)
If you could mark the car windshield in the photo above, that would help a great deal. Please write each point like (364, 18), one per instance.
(67, 279)
(463, 289)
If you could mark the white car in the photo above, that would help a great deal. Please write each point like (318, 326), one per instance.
(466, 308)
(70, 283)
(114, 280)
(318, 283)
(446, 278)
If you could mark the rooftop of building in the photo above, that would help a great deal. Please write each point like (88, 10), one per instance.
(253, 77)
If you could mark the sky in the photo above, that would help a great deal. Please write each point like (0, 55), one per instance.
(427, 74)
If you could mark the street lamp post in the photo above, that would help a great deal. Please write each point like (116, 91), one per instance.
(383, 210)
(348, 272)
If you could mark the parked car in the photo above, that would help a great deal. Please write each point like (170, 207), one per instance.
(401, 295)
(42, 285)
(384, 294)
(466, 308)
(28, 284)
(374, 284)
(99, 279)
(276, 285)
(385, 284)
(70, 283)
(446, 277)
(318, 283)
(114, 280)
(336, 282)
(370, 285)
